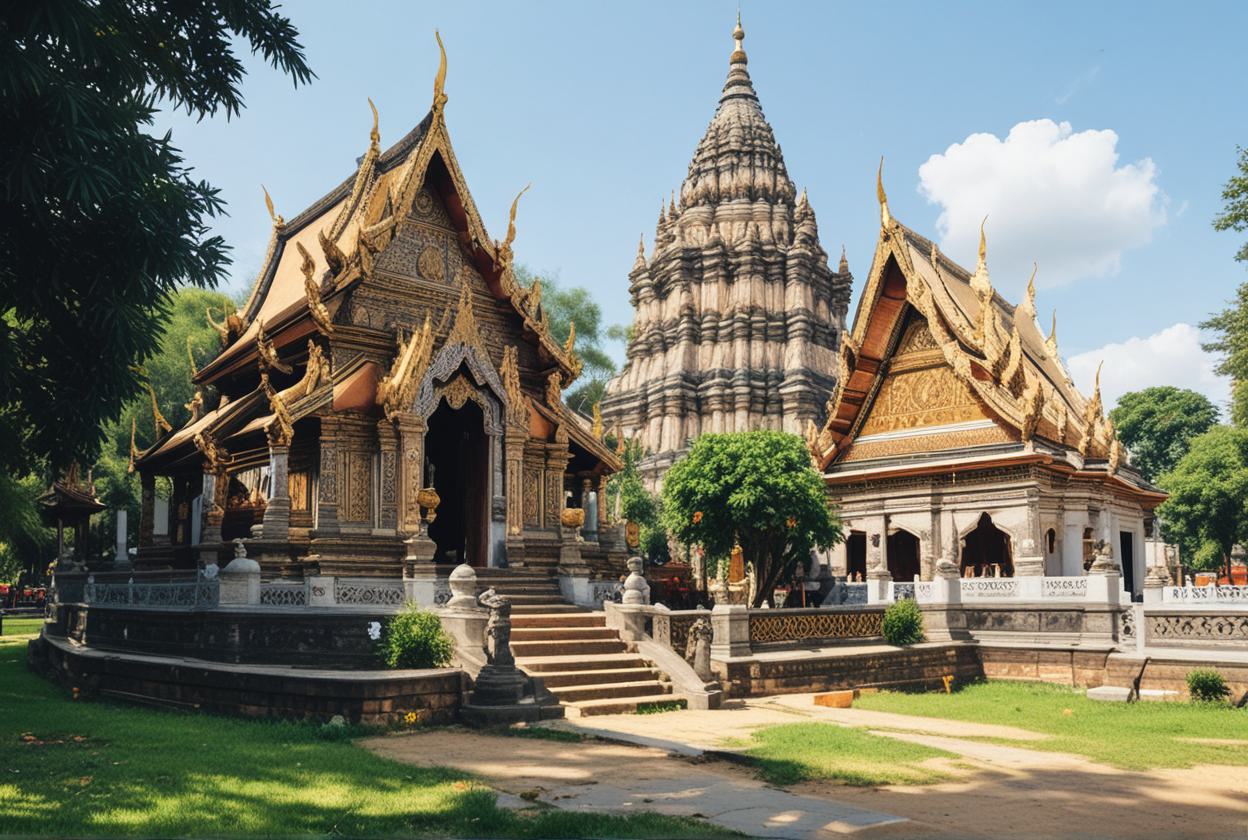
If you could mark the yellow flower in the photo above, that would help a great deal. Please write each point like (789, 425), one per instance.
(792, 522)
(410, 718)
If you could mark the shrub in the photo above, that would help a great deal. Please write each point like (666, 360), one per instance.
(903, 623)
(415, 639)
(1207, 686)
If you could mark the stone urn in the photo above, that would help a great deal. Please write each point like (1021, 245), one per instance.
(463, 584)
(636, 590)
(572, 517)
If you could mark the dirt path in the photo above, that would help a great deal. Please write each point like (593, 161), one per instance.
(1000, 790)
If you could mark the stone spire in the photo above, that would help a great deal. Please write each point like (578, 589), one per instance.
(737, 311)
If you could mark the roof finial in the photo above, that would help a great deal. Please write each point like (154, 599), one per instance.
(885, 218)
(278, 221)
(738, 37)
(374, 136)
(504, 249)
(1050, 343)
(844, 266)
(980, 280)
(1029, 302)
(640, 262)
(439, 81)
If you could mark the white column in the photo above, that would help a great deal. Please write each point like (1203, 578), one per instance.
(1072, 543)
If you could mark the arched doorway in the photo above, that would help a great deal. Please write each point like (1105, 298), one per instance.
(457, 451)
(856, 555)
(903, 556)
(987, 550)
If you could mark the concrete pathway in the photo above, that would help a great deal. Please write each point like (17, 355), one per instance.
(606, 777)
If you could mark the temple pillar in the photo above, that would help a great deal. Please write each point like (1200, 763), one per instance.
(386, 522)
(411, 446)
(327, 479)
(513, 455)
(557, 458)
(276, 527)
(147, 508)
(878, 576)
(602, 503)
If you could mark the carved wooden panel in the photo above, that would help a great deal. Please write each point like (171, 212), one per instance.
(359, 486)
(297, 488)
(914, 399)
(532, 497)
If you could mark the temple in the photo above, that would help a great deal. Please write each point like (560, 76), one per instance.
(955, 434)
(738, 316)
(389, 395)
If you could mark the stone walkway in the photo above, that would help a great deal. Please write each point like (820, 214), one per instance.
(597, 776)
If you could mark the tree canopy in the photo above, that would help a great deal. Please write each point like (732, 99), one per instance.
(103, 219)
(639, 505)
(575, 305)
(757, 488)
(1157, 424)
(1207, 512)
(1231, 324)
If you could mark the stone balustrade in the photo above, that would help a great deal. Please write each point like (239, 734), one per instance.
(1200, 595)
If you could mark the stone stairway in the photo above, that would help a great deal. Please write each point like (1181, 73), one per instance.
(578, 658)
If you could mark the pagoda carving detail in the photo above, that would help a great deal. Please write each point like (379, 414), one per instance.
(738, 315)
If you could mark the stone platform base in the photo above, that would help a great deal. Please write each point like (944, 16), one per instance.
(487, 716)
(1167, 669)
(261, 691)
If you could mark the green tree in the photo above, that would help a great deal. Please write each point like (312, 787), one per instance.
(1207, 511)
(639, 505)
(103, 219)
(1234, 215)
(757, 488)
(1231, 324)
(575, 305)
(1157, 424)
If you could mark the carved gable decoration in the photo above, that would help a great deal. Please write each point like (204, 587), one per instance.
(931, 396)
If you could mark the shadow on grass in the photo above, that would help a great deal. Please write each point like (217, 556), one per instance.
(801, 752)
(94, 769)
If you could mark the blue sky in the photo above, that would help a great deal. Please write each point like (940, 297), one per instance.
(600, 106)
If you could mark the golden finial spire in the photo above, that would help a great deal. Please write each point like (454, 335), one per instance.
(980, 281)
(1050, 343)
(597, 426)
(738, 38)
(571, 342)
(374, 136)
(1028, 306)
(885, 218)
(504, 250)
(278, 221)
(439, 81)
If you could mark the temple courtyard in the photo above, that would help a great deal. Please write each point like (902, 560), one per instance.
(986, 760)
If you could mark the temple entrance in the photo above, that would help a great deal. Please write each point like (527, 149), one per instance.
(987, 551)
(1126, 540)
(457, 457)
(903, 556)
(856, 556)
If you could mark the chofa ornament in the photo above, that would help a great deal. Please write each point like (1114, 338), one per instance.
(572, 517)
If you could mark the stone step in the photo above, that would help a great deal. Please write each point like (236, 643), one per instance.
(617, 705)
(563, 619)
(611, 691)
(552, 600)
(552, 591)
(555, 633)
(595, 676)
(568, 647)
(543, 664)
(546, 609)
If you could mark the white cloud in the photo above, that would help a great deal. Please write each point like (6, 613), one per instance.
(1052, 196)
(1170, 357)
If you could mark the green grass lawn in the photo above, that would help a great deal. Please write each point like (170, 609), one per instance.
(1135, 736)
(22, 626)
(94, 769)
(797, 752)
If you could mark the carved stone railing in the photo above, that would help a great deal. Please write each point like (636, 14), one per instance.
(283, 594)
(807, 626)
(369, 592)
(671, 628)
(1179, 595)
(1192, 628)
(989, 589)
(924, 590)
(902, 590)
(1064, 588)
(196, 593)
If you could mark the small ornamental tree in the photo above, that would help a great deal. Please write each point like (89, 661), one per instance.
(1157, 425)
(756, 488)
(1207, 511)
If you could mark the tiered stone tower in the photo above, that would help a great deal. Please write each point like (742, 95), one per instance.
(738, 316)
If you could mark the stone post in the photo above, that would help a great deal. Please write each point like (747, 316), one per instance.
(240, 580)
(730, 624)
(214, 496)
(121, 557)
(1029, 566)
(878, 576)
(602, 504)
(573, 572)
(276, 526)
(464, 618)
(1105, 575)
(1155, 583)
(636, 590)
(590, 505)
